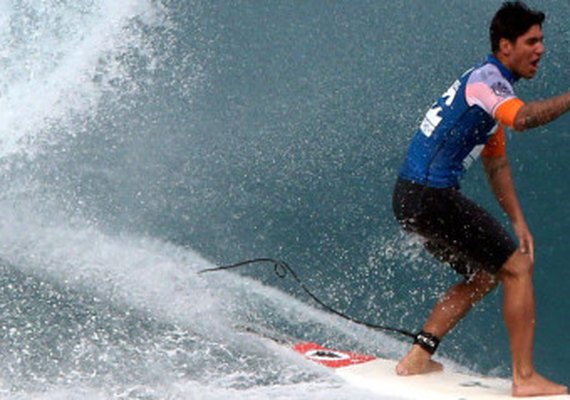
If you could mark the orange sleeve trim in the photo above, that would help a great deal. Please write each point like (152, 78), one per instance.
(508, 110)
(497, 144)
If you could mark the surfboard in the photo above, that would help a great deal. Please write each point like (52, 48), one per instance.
(377, 375)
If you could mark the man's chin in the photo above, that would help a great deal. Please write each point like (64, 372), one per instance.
(530, 73)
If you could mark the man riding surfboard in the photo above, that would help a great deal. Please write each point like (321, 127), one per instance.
(467, 121)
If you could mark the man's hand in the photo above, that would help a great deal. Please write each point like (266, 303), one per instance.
(501, 180)
(526, 241)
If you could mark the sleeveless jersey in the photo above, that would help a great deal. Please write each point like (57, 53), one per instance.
(459, 124)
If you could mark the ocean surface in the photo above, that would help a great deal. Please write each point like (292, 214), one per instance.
(142, 141)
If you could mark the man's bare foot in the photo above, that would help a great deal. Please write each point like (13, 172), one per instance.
(537, 385)
(416, 362)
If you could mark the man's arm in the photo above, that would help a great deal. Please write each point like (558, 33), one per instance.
(500, 178)
(541, 112)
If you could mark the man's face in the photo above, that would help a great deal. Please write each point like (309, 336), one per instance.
(525, 53)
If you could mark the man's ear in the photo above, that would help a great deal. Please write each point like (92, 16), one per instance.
(505, 46)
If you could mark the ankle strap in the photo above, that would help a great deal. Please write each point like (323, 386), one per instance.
(427, 341)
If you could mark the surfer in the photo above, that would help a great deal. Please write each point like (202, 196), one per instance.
(468, 121)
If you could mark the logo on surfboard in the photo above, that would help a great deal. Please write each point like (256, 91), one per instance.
(329, 357)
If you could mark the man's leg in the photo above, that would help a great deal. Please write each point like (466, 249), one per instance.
(447, 312)
(519, 314)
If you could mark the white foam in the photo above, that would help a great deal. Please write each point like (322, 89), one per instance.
(160, 279)
(50, 55)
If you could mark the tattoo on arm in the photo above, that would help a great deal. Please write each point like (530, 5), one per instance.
(494, 167)
(541, 112)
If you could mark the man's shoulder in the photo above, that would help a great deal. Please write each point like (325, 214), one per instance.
(486, 73)
(489, 75)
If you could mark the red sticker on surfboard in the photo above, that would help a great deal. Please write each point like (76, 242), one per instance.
(329, 357)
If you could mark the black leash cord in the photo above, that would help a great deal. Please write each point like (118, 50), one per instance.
(281, 269)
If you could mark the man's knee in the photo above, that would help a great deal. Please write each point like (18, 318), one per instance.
(517, 266)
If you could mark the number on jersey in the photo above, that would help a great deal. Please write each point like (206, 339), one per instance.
(433, 118)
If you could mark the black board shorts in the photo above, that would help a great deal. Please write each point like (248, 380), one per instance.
(456, 230)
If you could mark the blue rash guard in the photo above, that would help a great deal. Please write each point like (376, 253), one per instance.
(459, 124)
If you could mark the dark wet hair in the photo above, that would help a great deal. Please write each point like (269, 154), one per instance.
(513, 19)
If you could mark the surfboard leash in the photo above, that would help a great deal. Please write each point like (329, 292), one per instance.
(281, 269)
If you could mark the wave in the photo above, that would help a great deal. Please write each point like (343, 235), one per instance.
(143, 141)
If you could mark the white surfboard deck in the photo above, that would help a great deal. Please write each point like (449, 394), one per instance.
(378, 375)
